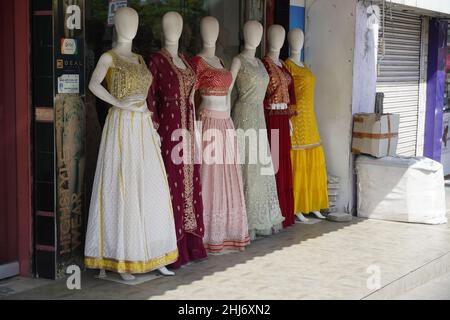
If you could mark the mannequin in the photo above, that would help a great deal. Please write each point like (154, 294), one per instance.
(279, 97)
(224, 214)
(172, 24)
(296, 39)
(253, 33)
(171, 101)
(251, 80)
(276, 37)
(126, 24)
(209, 30)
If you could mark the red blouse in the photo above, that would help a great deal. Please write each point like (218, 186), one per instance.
(211, 81)
(281, 86)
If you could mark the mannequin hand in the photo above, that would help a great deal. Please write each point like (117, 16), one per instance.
(131, 103)
(291, 128)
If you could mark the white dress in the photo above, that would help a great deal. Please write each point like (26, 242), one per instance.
(131, 226)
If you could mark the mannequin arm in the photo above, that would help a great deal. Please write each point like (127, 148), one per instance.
(235, 67)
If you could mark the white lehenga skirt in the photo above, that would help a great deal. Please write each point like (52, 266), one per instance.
(131, 227)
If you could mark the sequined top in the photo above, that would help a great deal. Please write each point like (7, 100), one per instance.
(211, 81)
(125, 79)
(306, 133)
(280, 89)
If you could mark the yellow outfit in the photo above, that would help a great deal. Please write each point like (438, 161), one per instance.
(308, 158)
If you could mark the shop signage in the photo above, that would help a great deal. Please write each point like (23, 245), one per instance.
(69, 110)
(69, 46)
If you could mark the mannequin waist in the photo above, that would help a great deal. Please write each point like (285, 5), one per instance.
(215, 103)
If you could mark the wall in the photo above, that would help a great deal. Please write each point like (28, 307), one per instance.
(329, 51)
(365, 66)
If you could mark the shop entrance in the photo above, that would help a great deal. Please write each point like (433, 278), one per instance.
(9, 265)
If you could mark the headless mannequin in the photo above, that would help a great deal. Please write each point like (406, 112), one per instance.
(253, 32)
(126, 23)
(209, 29)
(296, 39)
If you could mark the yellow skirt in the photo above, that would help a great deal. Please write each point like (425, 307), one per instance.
(309, 180)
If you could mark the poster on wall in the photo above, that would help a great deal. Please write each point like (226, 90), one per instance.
(69, 104)
(445, 156)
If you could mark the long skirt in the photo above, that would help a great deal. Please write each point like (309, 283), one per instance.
(281, 154)
(131, 225)
(224, 214)
(310, 180)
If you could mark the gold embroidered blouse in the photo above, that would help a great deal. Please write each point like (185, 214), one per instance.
(125, 79)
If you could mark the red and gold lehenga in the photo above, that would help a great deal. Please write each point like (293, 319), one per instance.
(280, 95)
(174, 116)
(225, 217)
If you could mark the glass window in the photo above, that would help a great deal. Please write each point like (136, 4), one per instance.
(231, 15)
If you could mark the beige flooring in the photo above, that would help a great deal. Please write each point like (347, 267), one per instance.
(320, 261)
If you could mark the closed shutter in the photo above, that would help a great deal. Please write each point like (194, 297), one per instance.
(399, 75)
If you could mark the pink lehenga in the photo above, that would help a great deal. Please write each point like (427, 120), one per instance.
(224, 213)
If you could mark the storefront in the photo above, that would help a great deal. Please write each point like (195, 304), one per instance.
(49, 175)
(55, 138)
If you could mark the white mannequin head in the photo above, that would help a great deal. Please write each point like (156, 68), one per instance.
(276, 35)
(253, 32)
(126, 22)
(296, 39)
(172, 26)
(209, 30)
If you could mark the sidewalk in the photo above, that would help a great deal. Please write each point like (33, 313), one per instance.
(320, 261)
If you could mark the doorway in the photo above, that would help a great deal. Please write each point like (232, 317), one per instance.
(9, 265)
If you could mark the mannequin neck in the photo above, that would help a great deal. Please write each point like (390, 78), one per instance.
(296, 57)
(249, 52)
(208, 51)
(124, 47)
(172, 48)
(275, 56)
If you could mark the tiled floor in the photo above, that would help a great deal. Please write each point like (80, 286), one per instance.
(320, 261)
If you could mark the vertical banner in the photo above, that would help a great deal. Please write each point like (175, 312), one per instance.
(70, 133)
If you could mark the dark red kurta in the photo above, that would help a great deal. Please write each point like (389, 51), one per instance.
(280, 90)
(173, 115)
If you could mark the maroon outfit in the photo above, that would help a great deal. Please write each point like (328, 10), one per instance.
(281, 91)
(174, 117)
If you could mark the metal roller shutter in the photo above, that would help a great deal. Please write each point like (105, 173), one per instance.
(399, 75)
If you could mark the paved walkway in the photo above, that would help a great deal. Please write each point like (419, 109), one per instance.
(437, 289)
(320, 261)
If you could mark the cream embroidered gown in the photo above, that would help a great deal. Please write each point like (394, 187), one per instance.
(131, 226)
